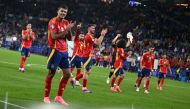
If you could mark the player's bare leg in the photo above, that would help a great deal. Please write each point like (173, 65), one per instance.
(158, 84)
(62, 86)
(161, 83)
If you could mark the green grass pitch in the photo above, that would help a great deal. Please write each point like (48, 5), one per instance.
(27, 88)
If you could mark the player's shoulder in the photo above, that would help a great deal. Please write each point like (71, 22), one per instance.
(145, 53)
(87, 36)
(53, 20)
(65, 21)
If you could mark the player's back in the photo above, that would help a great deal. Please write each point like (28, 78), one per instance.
(119, 58)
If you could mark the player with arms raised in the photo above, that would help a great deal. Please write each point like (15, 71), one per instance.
(77, 55)
(89, 41)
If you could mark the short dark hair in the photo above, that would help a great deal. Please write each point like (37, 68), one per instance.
(150, 46)
(121, 43)
(89, 25)
(63, 6)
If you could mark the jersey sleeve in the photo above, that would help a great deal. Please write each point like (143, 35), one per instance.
(52, 25)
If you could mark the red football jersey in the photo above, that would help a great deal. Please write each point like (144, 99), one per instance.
(120, 56)
(147, 61)
(58, 26)
(88, 45)
(78, 46)
(26, 43)
(164, 64)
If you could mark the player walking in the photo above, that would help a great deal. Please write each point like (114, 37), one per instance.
(146, 64)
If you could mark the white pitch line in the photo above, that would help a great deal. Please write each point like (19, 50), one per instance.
(4, 62)
(132, 106)
(13, 104)
(6, 100)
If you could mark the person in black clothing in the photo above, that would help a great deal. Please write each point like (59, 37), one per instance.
(114, 50)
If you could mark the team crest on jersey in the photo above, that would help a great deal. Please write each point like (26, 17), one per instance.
(52, 26)
(62, 29)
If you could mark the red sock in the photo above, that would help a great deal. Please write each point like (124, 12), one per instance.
(84, 83)
(162, 82)
(119, 81)
(47, 86)
(22, 61)
(79, 76)
(78, 72)
(139, 82)
(113, 81)
(147, 84)
(62, 86)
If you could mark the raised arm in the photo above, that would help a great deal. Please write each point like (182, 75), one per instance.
(77, 32)
(114, 40)
(99, 40)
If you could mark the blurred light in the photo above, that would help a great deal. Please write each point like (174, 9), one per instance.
(185, 5)
(14, 38)
(138, 58)
(134, 3)
(34, 4)
(108, 1)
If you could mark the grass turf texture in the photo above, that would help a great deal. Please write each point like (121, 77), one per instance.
(27, 88)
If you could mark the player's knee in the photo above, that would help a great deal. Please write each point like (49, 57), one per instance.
(67, 75)
(51, 73)
(122, 76)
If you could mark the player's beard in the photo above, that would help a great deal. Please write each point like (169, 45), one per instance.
(92, 32)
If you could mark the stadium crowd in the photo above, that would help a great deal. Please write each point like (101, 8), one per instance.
(155, 24)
